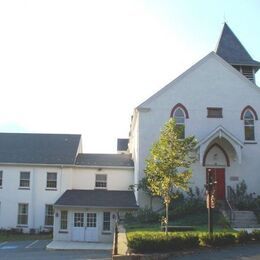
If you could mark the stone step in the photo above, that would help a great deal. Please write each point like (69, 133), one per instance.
(244, 219)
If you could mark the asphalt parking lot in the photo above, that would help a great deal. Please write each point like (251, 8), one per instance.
(36, 249)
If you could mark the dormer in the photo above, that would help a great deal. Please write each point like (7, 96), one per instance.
(232, 51)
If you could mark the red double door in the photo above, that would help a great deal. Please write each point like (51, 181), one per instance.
(219, 177)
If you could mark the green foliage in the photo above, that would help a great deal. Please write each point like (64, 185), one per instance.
(256, 235)
(167, 166)
(142, 216)
(178, 228)
(143, 242)
(192, 202)
(244, 200)
(243, 237)
(217, 239)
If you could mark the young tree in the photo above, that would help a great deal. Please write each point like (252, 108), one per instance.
(168, 164)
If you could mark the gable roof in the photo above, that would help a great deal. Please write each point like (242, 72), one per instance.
(30, 148)
(231, 50)
(144, 106)
(219, 131)
(97, 199)
(108, 160)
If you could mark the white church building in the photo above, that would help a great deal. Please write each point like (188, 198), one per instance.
(46, 181)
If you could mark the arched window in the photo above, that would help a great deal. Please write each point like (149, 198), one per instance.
(249, 125)
(180, 122)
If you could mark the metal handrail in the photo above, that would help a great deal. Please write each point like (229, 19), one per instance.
(229, 202)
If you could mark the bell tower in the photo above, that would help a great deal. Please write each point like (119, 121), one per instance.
(232, 51)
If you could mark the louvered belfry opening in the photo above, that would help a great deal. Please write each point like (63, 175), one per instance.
(247, 71)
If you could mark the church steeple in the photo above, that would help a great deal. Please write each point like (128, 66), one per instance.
(232, 51)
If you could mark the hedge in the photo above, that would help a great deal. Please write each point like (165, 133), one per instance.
(218, 239)
(149, 242)
(158, 242)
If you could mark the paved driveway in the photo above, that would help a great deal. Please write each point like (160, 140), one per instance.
(31, 250)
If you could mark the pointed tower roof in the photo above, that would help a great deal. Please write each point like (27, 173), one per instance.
(231, 50)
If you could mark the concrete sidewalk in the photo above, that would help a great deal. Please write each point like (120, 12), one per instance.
(69, 245)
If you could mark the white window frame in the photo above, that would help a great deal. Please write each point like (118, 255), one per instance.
(178, 123)
(106, 221)
(48, 215)
(48, 181)
(21, 214)
(101, 184)
(91, 219)
(78, 219)
(63, 220)
(249, 126)
(22, 179)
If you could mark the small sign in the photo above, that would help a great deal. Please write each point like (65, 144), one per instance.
(234, 178)
(213, 201)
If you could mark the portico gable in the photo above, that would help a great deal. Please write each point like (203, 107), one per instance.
(219, 133)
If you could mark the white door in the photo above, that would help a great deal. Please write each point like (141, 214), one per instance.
(91, 232)
(78, 229)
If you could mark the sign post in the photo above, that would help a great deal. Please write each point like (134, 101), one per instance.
(210, 187)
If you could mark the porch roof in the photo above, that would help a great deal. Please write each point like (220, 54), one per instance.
(220, 132)
(97, 199)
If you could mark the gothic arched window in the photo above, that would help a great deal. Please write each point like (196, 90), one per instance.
(180, 122)
(249, 115)
(179, 113)
(249, 125)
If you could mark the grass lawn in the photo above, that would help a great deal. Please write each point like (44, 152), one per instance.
(199, 221)
(15, 237)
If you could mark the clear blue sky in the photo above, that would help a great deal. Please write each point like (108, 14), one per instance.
(82, 66)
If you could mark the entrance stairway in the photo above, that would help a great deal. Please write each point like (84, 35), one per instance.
(244, 219)
(237, 218)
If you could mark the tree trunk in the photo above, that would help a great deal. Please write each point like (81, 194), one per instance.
(166, 217)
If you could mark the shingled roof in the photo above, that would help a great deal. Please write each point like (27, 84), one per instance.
(30, 148)
(98, 199)
(119, 160)
(231, 50)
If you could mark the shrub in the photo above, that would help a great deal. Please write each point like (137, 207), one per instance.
(178, 228)
(143, 242)
(217, 239)
(243, 237)
(256, 235)
(142, 216)
(190, 203)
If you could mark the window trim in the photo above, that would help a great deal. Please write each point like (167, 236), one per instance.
(180, 124)
(18, 214)
(100, 187)
(61, 220)
(46, 215)
(29, 180)
(249, 126)
(106, 221)
(220, 109)
(181, 106)
(248, 108)
(51, 188)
